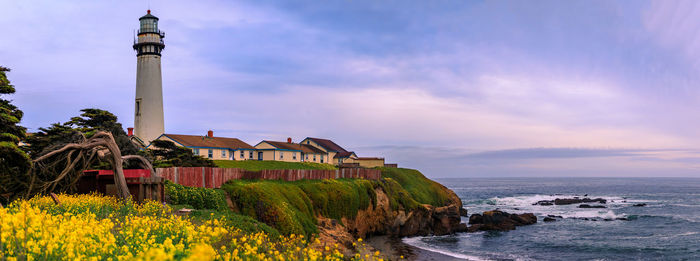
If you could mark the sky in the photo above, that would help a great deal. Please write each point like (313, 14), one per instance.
(452, 88)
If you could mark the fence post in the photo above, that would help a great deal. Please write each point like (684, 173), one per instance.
(176, 176)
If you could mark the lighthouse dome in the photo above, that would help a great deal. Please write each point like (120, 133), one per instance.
(148, 16)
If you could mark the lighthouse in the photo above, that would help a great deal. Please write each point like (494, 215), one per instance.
(148, 106)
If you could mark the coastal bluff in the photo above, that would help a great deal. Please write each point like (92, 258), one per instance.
(403, 202)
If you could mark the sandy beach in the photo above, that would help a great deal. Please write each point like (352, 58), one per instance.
(394, 248)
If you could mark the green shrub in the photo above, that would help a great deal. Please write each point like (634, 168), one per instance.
(198, 198)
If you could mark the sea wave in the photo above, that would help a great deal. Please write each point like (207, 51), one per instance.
(416, 242)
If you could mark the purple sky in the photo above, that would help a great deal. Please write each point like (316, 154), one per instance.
(453, 88)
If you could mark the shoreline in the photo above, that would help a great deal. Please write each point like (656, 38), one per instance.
(394, 248)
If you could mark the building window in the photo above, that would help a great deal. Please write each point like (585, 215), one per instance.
(314, 157)
(242, 155)
(195, 151)
(294, 155)
(223, 153)
(250, 155)
(306, 157)
(321, 159)
(281, 155)
(210, 153)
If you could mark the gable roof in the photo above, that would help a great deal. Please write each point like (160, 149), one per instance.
(294, 146)
(328, 145)
(346, 154)
(204, 141)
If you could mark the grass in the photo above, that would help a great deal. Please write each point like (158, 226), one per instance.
(281, 207)
(292, 207)
(422, 189)
(210, 204)
(257, 165)
(279, 204)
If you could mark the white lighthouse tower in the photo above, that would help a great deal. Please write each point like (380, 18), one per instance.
(148, 109)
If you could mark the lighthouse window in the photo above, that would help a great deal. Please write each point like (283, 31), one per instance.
(138, 106)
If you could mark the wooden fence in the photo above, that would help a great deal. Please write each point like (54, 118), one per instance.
(215, 177)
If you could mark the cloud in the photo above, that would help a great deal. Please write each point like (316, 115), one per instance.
(437, 81)
(552, 153)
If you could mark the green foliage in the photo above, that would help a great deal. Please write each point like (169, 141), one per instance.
(245, 223)
(14, 163)
(421, 189)
(257, 165)
(166, 154)
(292, 207)
(88, 123)
(281, 205)
(92, 120)
(199, 198)
(355, 194)
(399, 198)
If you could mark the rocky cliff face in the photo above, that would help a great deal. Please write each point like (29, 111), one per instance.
(425, 220)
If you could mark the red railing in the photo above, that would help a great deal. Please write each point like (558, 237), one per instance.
(215, 177)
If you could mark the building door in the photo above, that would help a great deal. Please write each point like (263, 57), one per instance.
(260, 155)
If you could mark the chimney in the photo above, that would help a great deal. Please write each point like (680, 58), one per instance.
(289, 140)
(210, 134)
(130, 131)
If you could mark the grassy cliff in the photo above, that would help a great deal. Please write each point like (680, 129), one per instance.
(256, 165)
(292, 207)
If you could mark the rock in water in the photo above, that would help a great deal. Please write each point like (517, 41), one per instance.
(476, 219)
(640, 205)
(463, 212)
(569, 201)
(548, 219)
(591, 206)
(499, 221)
(544, 203)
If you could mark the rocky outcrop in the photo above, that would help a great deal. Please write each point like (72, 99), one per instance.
(591, 206)
(549, 219)
(499, 221)
(569, 201)
(425, 220)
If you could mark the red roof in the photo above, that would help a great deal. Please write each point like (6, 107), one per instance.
(205, 141)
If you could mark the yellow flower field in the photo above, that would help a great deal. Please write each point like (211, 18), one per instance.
(91, 227)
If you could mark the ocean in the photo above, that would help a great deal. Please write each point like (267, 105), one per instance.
(667, 228)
